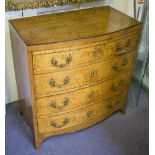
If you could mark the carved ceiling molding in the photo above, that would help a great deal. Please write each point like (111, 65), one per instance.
(15, 5)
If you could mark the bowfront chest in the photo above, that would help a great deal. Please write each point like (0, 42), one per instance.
(73, 69)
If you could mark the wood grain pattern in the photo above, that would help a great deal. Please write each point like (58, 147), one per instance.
(25, 85)
(82, 115)
(81, 76)
(85, 42)
(80, 97)
(71, 25)
(22, 75)
(82, 85)
(80, 126)
(43, 61)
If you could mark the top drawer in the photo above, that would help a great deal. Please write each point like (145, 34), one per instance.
(53, 60)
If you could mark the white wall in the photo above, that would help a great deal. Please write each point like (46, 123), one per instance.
(10, 82)
(125, 6)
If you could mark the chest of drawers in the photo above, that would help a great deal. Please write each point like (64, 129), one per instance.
(73, 69)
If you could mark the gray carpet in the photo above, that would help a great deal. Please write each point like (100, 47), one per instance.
(120, 134)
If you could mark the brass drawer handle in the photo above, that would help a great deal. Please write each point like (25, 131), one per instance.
(117, 87)
(113, 105)
(118, 67)
(54, 84)
(93, 73)
(55, 62)
(55, 125)
(65, 103)
(89, 114)
(128, 43)
(92, 94)
(96, 51)
(120, 50)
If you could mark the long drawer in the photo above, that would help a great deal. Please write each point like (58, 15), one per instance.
(54, 60)
(68, 101)
(48, 84)
(82, 116)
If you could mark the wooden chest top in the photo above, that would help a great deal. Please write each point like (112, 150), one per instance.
(72, 25)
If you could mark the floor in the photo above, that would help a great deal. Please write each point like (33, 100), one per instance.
(120, 134)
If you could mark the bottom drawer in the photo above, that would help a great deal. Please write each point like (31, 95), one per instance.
(83, 116)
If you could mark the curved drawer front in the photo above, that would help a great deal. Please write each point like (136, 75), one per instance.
(83, 116)
(67, 101)
(52, 60)
(48, 84)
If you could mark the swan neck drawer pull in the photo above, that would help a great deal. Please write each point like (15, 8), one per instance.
(117, 87)
(120, 50)
(96, 51)
(64, 123)
(55, 62)
(54, 84)
(117, 67)
(65, 103)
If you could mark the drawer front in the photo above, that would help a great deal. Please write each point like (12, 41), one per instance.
(53, 60)
(84, 115)
(51, 83)
(67, 101)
